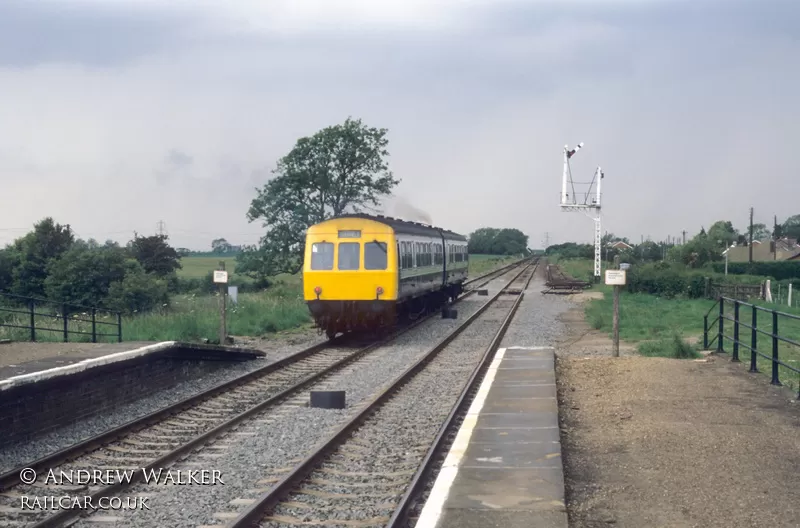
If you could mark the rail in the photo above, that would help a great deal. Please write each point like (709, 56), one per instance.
(73, 319)
(775, 358)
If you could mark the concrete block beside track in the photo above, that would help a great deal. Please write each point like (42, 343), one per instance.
(39, 401)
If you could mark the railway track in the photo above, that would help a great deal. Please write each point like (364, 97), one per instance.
(370, 472)
(164, 437)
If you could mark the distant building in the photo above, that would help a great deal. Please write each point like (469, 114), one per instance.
(619, 244)
(781, 249)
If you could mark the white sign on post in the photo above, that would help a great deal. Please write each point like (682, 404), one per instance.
(233, 294)
(220, 277)
(615, 277)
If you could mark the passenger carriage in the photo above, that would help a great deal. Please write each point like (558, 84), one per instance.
(362, 272)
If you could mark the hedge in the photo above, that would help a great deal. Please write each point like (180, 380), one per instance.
(779, 270)
(671, 281)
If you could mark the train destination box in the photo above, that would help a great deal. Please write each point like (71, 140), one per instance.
(220, 277)
(615, 277)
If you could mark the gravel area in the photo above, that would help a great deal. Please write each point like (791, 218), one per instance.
(262, 447)
(536, 322)
(665, 442)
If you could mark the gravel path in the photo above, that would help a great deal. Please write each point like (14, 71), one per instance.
(678, 443)
(263, 447)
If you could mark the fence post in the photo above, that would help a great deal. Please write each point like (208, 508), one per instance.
(735, 357)
(94, 325)
(721, 314)
(66, 322)
(32, 306)
(119, 327)
(705, 332)
(754, 342)
(775, 380)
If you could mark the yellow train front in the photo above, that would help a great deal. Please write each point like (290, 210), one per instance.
(362, 272)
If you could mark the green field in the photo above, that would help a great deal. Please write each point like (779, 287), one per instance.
(198, 267)
(653, 323)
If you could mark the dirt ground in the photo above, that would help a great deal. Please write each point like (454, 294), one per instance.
(653, 442)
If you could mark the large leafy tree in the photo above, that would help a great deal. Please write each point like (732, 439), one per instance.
(339, 169)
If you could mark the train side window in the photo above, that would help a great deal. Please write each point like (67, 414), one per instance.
(349, 254)
(430, 256)
(322, 256)
(375, 256)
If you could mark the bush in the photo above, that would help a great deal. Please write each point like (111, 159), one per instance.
(138, 292)
(674, 280)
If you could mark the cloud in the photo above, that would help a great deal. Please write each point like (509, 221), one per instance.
(117, 114)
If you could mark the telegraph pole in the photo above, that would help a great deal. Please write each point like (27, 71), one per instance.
(751, 235)
(161, 228)
(684, 237)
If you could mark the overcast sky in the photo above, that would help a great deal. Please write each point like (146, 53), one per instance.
(116, 114)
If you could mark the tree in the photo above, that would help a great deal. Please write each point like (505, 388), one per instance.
(722, 234)
(339, 169)
(493, 241)
(155, 254)
(34, 252)
(220, 246)
(791, 227)
(83, 274)
(760, 232)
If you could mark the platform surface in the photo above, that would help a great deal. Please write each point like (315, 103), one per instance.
(25, 359)
(505, 468)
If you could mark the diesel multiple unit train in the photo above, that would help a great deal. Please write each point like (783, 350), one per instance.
(362, 272)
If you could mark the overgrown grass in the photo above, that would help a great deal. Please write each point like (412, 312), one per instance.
(675, 347)
(661, 326)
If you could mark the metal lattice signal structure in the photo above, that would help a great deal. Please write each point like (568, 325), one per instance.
(583, 201)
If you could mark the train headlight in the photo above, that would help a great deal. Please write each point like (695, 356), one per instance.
(318, 291)
(379, 291)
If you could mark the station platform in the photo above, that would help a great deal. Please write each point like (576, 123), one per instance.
(22, 362)
(505, 466)
(63, 386)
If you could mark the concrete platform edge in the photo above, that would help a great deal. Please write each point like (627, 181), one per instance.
(80, 366)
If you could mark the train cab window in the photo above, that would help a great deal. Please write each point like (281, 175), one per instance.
(375, 256)
(322, 256)
(349, 254)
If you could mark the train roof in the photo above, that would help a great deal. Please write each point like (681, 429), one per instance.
(406, 227)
